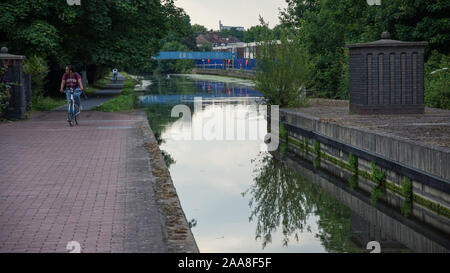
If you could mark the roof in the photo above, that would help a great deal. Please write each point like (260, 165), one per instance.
(387, 42)
(214, 38)
(5, 55)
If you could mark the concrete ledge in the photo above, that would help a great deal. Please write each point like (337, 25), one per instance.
(177, 232)
(421, 155)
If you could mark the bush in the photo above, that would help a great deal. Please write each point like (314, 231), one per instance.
(437, 81)
(38, 69)
(4, 91)
(283, 70)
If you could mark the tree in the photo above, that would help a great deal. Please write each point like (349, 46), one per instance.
(326, 26)
(97, 34)
(206, 46)
(232, 32)
(255, 33)
(197, 29)
(283, 69)
(174, 66)
(296, 10)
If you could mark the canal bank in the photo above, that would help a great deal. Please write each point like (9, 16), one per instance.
(177, 230)
(400, 160)
(226, 73)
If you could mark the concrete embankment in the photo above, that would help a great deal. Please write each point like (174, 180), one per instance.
(401, 160)
(178, 232)
(370, 222)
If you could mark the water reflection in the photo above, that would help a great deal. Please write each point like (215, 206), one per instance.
(281, 198)
(179, 89)
(239, 199)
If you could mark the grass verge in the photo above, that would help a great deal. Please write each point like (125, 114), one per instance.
(47, 103)
(103, 82)
(127, 100)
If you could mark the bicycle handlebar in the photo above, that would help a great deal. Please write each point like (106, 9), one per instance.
(76, 89)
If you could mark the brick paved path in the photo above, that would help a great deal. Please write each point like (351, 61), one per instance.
(91, 183)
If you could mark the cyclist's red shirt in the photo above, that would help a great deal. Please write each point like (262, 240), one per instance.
(71, 82)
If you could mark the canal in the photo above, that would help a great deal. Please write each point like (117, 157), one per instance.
(238, 197)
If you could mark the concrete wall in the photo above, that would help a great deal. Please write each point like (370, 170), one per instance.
(406, 152)
(407, 233)
(434, 161)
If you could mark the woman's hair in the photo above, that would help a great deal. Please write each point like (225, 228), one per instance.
(70, 67)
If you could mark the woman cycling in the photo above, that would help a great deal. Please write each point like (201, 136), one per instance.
(72, 80)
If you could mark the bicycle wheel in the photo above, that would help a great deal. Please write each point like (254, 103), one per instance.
(69, 119)
(70, 113)
(76, 113)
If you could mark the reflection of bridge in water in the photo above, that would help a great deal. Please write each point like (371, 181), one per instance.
(211, 90)
(378, 222)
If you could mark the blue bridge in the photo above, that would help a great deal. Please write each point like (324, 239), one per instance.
(210, 59)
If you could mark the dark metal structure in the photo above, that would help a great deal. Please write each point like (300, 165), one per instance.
(387, 77)
(20, 91)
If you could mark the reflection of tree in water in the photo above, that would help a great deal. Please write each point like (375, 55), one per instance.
(281, 197)
(173, 85)
(159, 117)
(168, 159)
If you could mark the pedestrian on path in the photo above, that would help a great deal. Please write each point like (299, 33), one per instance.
(115, 71)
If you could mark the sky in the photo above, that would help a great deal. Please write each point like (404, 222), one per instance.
(231, 12)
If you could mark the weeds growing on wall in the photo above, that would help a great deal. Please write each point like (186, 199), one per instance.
(317, 152)
(407, 194)
(353, 162)
(379, 177)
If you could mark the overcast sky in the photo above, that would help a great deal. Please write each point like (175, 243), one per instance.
(231, 12)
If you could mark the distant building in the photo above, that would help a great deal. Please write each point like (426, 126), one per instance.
(242, 50)
(221, 27)
(214, 39)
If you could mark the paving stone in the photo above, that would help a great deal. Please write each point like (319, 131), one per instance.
(82, 183)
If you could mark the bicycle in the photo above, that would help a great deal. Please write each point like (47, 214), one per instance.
(74, 108)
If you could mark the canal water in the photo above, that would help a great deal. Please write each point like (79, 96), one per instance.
(237, 196)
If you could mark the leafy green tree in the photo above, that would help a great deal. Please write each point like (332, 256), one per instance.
(296, 10)
(206, 46)
(38, 69)
(4, 91)
(283, 69)
(232, 32)
(437, 81)
(255, 33)
(174, 66)
(197, 29)
(417, 20)
(97, 34)
(326, 26)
